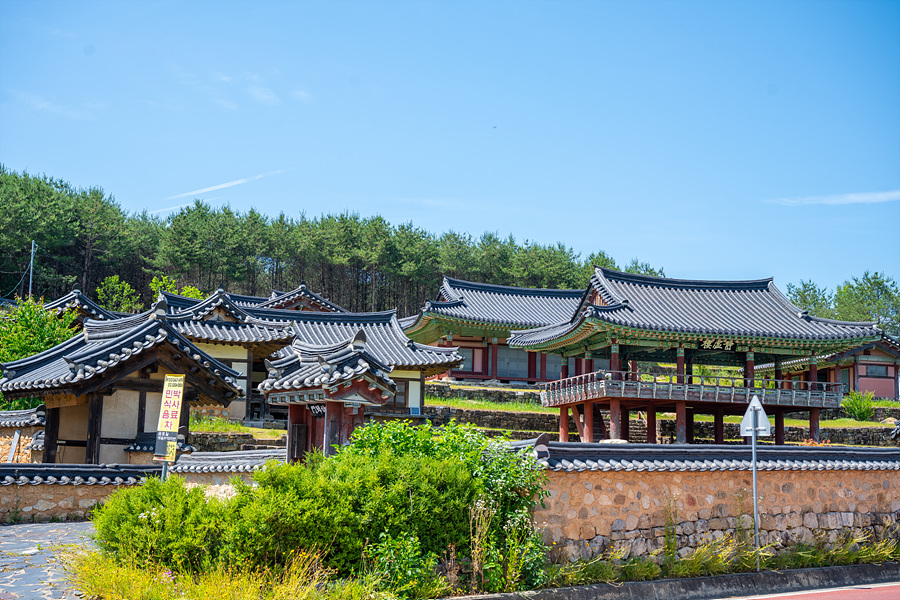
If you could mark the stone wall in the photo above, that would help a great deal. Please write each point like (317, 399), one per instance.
(44, 502)
(21, 454)
(217, 485)
(855, 436)
(481, 392)
(220, 442)
(212, 410)
(588, 512)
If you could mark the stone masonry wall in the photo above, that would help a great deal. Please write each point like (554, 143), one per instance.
(858, 436)
(25, 434)
(43, 502)
(589, 512)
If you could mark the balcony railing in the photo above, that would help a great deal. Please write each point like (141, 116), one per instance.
(603, 385)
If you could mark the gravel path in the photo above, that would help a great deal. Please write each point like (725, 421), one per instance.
(28, 568)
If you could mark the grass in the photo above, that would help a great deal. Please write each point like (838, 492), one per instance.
(465, 403)
(833, 423)
(886, 403)
(207, 424)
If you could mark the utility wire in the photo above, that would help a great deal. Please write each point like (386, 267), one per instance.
(17, 285)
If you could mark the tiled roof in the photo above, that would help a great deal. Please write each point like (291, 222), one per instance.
(315, 367)
(502, 305)
(33, 417)
(566, 456)
(302, 292)
(745, 309)
(63, 474)
(233, 333)
(245, 461)
(178, 302)
(887, 344)
(75, 299)
(37, 442)
(103, 345)
(385, 340)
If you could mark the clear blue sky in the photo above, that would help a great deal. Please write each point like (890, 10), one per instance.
(720, 140)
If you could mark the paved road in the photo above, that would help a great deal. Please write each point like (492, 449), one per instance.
(28, 567)
(884, 591)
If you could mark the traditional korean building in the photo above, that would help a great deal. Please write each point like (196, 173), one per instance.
(625, 319)
(102, 389)
(84, 307)
(478, 317)
(411, 361)
(873, 367)
(326, 389)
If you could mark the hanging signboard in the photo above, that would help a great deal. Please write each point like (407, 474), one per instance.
(169, 417)
(317, 410)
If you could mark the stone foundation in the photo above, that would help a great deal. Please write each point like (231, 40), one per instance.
(41, 503)
(7, 434)
(589, 512)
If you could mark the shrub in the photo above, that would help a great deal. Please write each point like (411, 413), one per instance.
(161, 523)
(403, 569)
(859, 406)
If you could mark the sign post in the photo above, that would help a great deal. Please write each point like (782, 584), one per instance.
(169, 417)
(755, 423)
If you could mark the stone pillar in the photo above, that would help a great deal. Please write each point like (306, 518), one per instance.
(814, 424)
(564, 423)
(680, 422)
(689, 428)
(813, 373)
(651, 424)
(588, 422)
(615, 419)
(748, 370)
(614, 363)
(679, 365)
(719, 418)
(779, 427)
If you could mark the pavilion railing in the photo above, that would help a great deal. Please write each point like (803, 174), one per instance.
(602, 385)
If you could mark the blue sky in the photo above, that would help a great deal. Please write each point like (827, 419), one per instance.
(719, 140)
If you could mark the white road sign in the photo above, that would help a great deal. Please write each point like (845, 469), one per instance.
(763, 426)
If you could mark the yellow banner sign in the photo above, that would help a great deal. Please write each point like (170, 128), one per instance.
(169, 417)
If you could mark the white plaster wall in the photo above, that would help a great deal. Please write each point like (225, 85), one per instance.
(415, 394)
(73, 422)
(151, 416)
(224, 352)
(113, 454)
(120, 413)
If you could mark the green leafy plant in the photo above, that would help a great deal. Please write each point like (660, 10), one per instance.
(168, 284)
(858, 405)
(117, 295)
(403, 569)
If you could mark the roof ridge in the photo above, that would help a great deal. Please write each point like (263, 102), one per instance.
(616, 275)
(524, 291)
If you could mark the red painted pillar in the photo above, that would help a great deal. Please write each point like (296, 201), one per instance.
(543, 367)
(813, 373)
(689, 426)
(588, 422)
(615, 419)
(679, 365)
(564, 369)
(634, 370)
(680, 422)
(779, 375)
(532, 365)
(614, 364)
(564, 423)
(779, 427)
(748, 370)
(814, 424)
(589, 365)
(579, 368)
(719, 418)
(494, 358)
(651, 424)
(626, 424)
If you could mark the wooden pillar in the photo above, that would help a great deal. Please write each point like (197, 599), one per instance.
(680, 422)
(579, 366)
(679, 365)
(779, 427)
(779, 375)
(564, 423)
(748, 370)
(95, 415)
(854, 381)
(51, 435)
(814, 424)
(615, 419)
(614, 364)
(634, 370)
(626, 424)
(719, 418)
(598, 422)
(813, 373)
(543, 375)
(494, 358)
(334, 420)
(532, 365)
(689, 426)
(588, 422)
(589, 365)
(564, 369)
(651, 424)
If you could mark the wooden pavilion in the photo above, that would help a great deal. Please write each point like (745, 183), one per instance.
(625, 319)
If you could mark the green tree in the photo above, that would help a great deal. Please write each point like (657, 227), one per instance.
(117, 295)
(873, 297)
(810, 297)
(644, 268)
(29, 329)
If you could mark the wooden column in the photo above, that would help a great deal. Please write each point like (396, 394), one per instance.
(564, 423)
(615, 419)
(813, 373)
(579, 368)
(626, 424)
(598, 422)
(634, 370)
(719, 418)
(543, 375)
(689, 428)
(680, 422)
(588, 422)
(51, 435)
(614, 364)
(651, 424)
(679, 365)
(95, 415)
(494, 356)
(564, 369)
(779, 427)
(814, 424)
(532, 365)
(748, 370)
(779, 375)
(589, 365)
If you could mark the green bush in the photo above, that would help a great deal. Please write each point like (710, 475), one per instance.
(859, 406)
(161, 523)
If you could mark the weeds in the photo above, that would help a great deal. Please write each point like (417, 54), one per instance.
(858, 405)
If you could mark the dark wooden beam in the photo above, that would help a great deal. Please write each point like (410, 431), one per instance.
(95, 417)
(51, 435)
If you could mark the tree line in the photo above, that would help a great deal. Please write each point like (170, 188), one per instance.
(84, 236)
